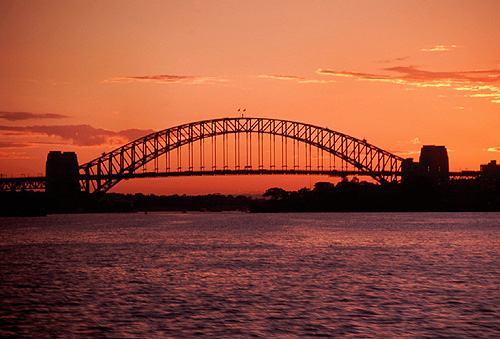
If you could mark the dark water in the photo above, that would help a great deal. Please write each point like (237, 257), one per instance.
(215, 275)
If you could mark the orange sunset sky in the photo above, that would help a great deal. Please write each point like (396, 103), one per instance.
(89, 76)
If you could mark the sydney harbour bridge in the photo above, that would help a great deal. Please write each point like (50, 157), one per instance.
(225, 146)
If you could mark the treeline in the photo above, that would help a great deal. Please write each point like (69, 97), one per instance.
(355, 196)
(115, 202)
(29, 203)
(24, 203)
(345, 196)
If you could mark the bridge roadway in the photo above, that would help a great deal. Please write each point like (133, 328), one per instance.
(22, 183)
(332, 173)
(38, 183)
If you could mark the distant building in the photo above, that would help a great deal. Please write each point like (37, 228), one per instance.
(490, 171)
(489, 177)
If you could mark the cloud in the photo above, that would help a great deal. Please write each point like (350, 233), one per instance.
(8, 144)
(415, 141)
(483, 81)
(494, 149)
(349, 74)
(478, 76)
(315, 81)
(14, 155)
(22, 144)
(406, 153)
(16, 116)
(135, 133)
(388, 61)
(411, 73)
(281, 77)
(80, 135)
(299, 79)
(439, 48)
(166, 79)
(46, 82)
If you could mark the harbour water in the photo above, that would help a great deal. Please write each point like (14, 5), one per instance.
(240, 275)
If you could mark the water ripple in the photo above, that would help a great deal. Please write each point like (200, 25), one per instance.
(251, 276)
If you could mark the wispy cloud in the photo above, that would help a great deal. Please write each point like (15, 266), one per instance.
(14, 155)
(406, 153)
(482, 81)
(80, 135)
(494, 149)
(299, 79)
(411, 73)
(415, 141)
(439, 48)
(167, 79)
(21, 144)
(475, 76)
(281, 77)
(9, 144)
(134, 133)
(46, 82)
(350, 74)
(16, 116)
(388, 61)
(407, 146)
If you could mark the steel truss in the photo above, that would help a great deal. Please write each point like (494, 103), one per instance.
(250, 156)
(22, 184)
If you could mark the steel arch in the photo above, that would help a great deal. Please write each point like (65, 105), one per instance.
(102, 173)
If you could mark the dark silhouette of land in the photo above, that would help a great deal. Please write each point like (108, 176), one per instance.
(355, 196)
(420, 194)
(29, 203)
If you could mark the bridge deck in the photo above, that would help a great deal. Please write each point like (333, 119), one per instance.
(38, 183)
(334, 173)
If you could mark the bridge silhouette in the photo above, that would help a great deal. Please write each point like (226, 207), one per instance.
(225, 146)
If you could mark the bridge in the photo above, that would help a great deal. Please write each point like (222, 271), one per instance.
(225, 146)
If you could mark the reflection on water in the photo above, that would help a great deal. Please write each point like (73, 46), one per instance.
(238, 275)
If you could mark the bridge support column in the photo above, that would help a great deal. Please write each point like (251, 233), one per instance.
(62, 181)
(433, 166)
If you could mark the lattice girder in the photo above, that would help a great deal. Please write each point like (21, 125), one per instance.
(102, 173)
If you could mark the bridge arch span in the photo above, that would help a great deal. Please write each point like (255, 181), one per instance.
(101, 174)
